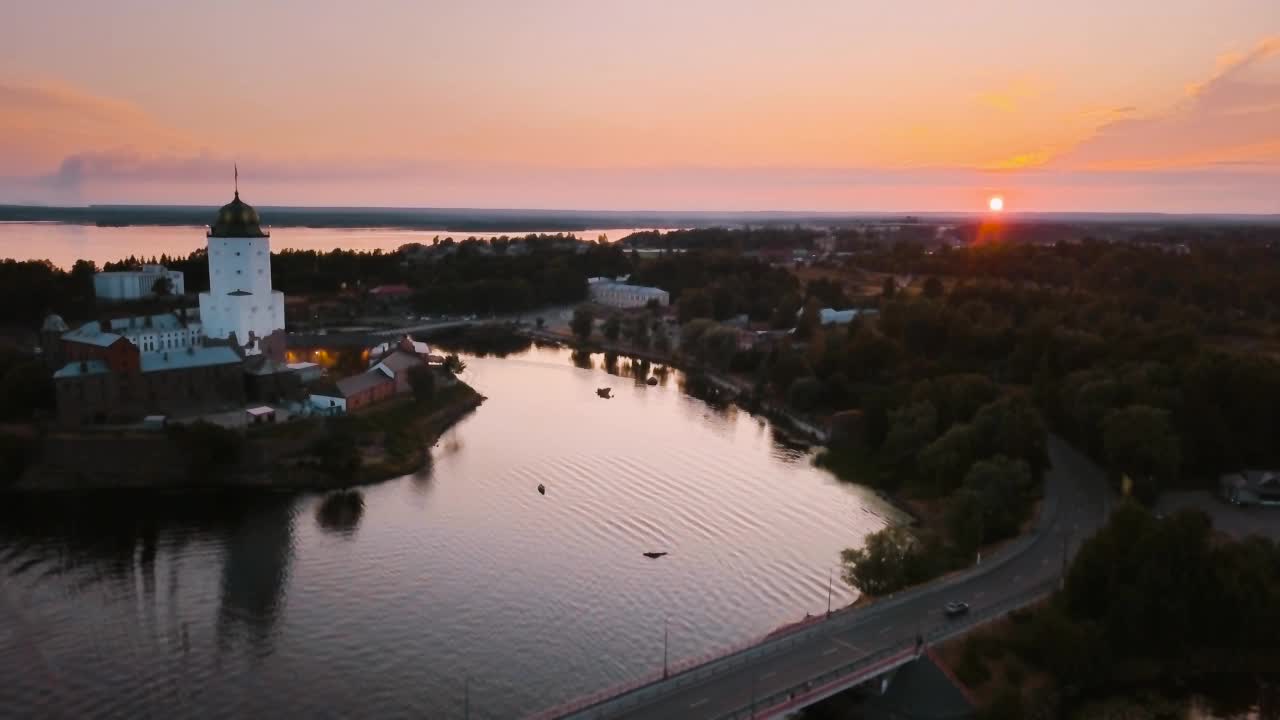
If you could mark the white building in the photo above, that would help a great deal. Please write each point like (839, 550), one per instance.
(136, 284)
(608, 291)
(240, 304)
(149, 333)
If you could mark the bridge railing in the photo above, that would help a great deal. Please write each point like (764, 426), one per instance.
(700, 669)
(805, 693)
(694, 670)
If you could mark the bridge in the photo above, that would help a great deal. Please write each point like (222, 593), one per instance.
(783, 673)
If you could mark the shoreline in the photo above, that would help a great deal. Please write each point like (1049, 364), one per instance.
(152, 462)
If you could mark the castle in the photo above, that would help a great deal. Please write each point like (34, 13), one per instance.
(124, 369)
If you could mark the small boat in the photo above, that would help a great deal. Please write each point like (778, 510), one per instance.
(605, 392)
(542, 489)
(654, 555)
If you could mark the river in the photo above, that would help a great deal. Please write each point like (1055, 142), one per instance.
(64, 243)
(461, 575)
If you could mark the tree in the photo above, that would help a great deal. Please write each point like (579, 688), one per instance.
(944, 462)
(884, 563)
(612, 327)
(339, 449)
(784, 315)
(804, 393)
(162, 287)
(933, 288)
(662, 339)
(1140, 443)
(423, 382)
(209, 449)
(810, 321)
(718, 346)
(653, 306)
(454, 364)
(640, 331)
(582, 323)
(911, 428)
(889, 289)
(1003, 490)
(1011, 426)
(25, 387)
(691, 336)
(694, 304)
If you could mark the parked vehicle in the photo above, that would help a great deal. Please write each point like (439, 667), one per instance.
(956, 609)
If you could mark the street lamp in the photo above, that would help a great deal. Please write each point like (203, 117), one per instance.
(665, 634)
(829, 572)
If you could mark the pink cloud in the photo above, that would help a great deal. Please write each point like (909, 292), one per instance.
(1234, 117)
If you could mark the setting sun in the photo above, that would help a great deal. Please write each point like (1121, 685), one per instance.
(996, 203)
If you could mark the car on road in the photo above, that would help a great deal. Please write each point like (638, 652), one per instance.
(956, 609)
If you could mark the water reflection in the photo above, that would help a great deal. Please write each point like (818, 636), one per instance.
(610, 364)
(220, 607)
(255, 567)
(340, 512)
(582, 359)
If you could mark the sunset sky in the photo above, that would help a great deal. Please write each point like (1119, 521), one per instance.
(1122, 105)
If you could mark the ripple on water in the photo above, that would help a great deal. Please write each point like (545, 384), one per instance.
(260, 611)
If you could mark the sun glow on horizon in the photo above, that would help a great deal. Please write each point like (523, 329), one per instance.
(996, 203)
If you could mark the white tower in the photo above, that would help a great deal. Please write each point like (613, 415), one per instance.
(240, 305)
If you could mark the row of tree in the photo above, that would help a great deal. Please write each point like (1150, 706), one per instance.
(1146, 601)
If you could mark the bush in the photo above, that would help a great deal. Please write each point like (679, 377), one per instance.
(971, 668)
(208, 448)
(804, 394)
(1006, 705)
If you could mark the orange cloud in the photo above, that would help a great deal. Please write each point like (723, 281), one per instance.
(1233, 117)
(41, 124)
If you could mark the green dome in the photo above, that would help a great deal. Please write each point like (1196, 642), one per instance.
(237, 219)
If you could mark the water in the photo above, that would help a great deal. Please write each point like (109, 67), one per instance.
(252, 608)
(63, 244)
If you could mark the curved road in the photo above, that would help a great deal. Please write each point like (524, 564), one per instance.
(1077, 501)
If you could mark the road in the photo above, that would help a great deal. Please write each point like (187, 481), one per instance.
(1077, 500)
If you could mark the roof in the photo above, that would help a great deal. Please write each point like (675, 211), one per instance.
(1263, 484)
(391, 290)
(922, 691)
(237, 219)
(301, 365)
(260, 410)
(831, 316)
(162, 321)
(356, 384)
(398, 361)
(91, 333)
(54, 323)
(81, 369)
(189, 358)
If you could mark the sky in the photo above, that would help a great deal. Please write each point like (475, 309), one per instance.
(834, 105)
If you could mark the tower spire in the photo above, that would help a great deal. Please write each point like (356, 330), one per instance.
(237, 167)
